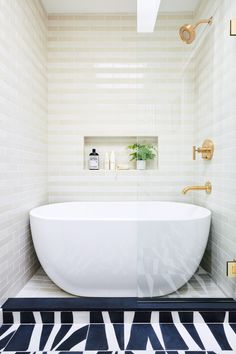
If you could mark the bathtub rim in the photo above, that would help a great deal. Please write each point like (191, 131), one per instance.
(205, 213)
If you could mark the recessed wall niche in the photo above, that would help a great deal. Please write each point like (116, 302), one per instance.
(118, 144)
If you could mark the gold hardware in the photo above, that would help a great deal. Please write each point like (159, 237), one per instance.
(231, 269)
(188, 32)
(207, 150)
(233, 27)
(207, 188)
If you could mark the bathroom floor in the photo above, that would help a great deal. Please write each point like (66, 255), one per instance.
(200, 286)
(106, 332)
(115, 331)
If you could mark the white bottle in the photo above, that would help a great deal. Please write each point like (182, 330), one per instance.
(107, 161)
(112, 161)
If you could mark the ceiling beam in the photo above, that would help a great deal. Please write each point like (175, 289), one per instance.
(147, 11)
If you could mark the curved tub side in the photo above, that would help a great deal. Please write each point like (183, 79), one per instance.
(105, 258)
(168, 256)
(88, 258)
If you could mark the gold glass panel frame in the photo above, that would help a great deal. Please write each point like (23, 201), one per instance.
(233, 27)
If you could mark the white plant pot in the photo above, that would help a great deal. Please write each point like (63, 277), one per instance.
(141, 165)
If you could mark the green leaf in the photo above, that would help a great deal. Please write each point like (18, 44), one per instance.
(142, 152)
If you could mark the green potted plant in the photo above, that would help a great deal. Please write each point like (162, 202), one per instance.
(141, 153)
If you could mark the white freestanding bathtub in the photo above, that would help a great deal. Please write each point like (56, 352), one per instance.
(120, 249)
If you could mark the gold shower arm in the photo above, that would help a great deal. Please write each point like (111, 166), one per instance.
(209, 21)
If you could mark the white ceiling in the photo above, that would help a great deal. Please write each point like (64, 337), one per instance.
(113, 6)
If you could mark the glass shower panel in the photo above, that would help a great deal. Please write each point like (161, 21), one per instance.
(169, 115)
(162, 266)
(181, 109)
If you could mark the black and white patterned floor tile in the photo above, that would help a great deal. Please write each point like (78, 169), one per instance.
(121, 352)
(130, 333)
(119, 317)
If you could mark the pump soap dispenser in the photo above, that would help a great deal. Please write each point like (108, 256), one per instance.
(93, 162)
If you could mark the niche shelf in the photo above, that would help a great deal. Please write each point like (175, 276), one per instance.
(119, 145)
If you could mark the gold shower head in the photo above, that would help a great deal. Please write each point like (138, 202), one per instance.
(188, 32)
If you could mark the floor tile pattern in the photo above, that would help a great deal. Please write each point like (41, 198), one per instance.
(109, 332)
(123, 352)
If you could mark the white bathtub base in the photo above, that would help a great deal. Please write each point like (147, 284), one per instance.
(129, 249)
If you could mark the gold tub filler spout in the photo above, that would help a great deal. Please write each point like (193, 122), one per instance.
(207, 188)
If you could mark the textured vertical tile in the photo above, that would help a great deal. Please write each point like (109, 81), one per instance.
(23, 136)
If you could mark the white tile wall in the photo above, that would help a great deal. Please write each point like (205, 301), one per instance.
(23, 136)
(105, 79)
(216, 119)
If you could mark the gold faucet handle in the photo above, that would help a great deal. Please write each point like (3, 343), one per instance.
(207, 150)
(194, 152)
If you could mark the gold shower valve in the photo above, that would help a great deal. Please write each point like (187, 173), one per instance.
(207, 150)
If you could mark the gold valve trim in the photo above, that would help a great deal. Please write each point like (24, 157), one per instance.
(207, 150)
